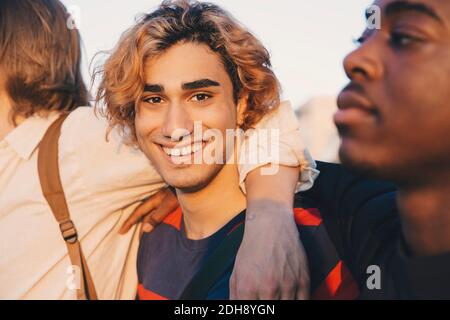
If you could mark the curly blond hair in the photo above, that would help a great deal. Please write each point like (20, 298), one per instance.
(245, 59)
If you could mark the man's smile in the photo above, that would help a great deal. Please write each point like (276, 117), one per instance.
(183, 153)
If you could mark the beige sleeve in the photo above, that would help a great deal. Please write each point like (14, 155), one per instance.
(276, 140)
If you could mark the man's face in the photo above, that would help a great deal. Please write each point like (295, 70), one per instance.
(394, 117)
(186, 84)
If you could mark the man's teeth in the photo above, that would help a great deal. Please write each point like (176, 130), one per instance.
(183, 151)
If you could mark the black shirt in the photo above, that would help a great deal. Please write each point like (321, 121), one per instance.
(361, 218)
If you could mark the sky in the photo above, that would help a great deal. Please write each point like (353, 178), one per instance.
(307, 39)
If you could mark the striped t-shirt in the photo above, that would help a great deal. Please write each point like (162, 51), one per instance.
(168, 260)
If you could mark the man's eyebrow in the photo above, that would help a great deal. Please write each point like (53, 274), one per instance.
(406, 6)
(198, 84)
(155, 88)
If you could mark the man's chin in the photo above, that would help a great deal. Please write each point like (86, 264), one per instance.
(358, 163)
(189, 187)
(189, 183)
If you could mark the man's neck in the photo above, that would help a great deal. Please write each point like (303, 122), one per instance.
(209, 209)
(425, 213)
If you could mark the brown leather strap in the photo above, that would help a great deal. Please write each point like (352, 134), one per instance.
(48, 168)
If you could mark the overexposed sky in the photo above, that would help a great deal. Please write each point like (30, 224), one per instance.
(307, 39)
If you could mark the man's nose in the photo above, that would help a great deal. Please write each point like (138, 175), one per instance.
(177, 123)
(365, 62)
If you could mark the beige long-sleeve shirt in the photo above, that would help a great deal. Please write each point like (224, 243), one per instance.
(103, 181)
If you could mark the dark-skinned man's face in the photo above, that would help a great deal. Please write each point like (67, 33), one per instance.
(394, 116)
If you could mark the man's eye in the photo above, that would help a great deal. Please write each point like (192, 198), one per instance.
(401, 40)
(153, 100)
(363, 38)
(201, 97)
(360, 40)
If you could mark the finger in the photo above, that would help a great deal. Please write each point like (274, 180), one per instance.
(289, 292)
(134, 218)
(146, 226)
(268, 293)
(148, 223)
(303, 289)
(241, 293)
(302, 294)
(146, 207)
(292, 280)
(242, 289)
(168, 205)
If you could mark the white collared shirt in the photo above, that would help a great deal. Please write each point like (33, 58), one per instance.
(103, 181)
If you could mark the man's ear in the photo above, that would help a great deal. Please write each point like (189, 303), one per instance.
(241, 109)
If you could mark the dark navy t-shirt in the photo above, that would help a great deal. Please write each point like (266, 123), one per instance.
(168, 260)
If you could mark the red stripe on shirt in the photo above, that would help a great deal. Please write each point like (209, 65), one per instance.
(174, 219)
(235, 227)
(307, 217)
(339, 285)
(145, 294)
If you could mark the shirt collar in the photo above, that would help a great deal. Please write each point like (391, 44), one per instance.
(25, 138)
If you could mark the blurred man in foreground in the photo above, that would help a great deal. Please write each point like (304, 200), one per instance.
(394, 120)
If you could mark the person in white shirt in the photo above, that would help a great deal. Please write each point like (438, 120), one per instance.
(105, 179)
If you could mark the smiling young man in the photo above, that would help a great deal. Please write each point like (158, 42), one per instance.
(204, 76)
(394, 120)
(103, 180)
